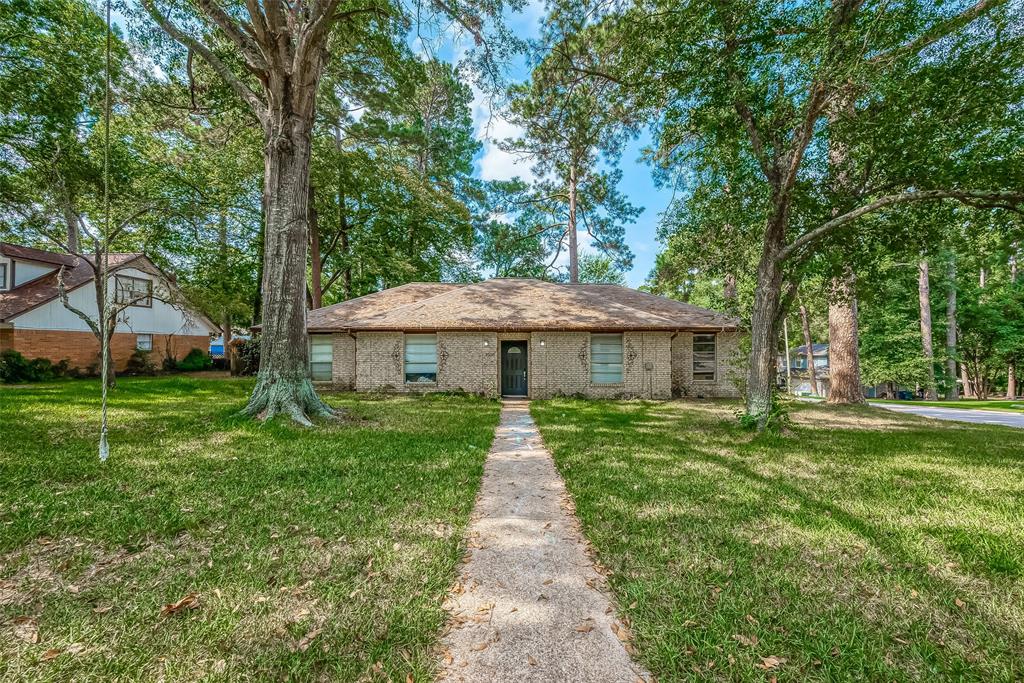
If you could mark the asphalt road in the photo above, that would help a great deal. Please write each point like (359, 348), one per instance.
(989, 417)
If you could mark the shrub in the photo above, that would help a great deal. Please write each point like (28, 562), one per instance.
(197, 359)
(15, 368)
(140, 364)
(247, 353)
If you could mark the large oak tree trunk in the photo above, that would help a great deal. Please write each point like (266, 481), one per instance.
(764, 330)
(924, 302)
(283, 384)
(316, 264)
(952, 392)
(843, 334)
(843, 355)
(809, 345)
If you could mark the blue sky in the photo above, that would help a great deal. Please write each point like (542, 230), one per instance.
(637, 183)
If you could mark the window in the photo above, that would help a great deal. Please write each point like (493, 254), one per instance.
(321, 357)
(3, 276)
(420, 358)
(704, 357)
(133, 291)
(144, 342)
(606, 358)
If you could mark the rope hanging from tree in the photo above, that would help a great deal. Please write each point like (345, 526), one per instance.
(104, 251)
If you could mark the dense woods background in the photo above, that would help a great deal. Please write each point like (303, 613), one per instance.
(851, 172)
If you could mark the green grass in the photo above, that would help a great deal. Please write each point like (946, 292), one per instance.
(320, 554)
(966, 404)
(864, 545)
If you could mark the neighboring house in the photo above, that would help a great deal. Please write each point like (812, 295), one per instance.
(800, 378)
(34, 321)
(523, 337)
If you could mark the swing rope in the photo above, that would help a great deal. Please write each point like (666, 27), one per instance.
(104, 250)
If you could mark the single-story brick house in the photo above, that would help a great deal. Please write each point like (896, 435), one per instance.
(512, 336)
(35, 322)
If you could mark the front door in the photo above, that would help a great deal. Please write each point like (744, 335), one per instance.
(513, 368)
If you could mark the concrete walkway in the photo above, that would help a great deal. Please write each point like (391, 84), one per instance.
(530, 606)
(975, 415)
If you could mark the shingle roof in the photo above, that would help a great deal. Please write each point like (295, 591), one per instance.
(29, 254)
(41, 290)
(515, 304)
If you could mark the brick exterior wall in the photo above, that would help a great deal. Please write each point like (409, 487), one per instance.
(561, 367)
(343, 366)
(6, 338)
(726, 357)
(468, 361)
(379, 359)
(82, 349)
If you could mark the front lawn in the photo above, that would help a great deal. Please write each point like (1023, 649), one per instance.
(320, 554)
(866, 545)
(964, 403)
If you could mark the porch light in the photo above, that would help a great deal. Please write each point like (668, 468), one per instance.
(486, 343)
(542, 342)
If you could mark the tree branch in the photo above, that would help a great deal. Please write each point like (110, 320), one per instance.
(937, 32)
(235, 32)
(1001, 198)
(222, 70)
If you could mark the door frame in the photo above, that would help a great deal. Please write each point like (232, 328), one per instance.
(502, 344)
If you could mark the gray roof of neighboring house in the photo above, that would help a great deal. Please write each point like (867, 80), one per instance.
(515, 304)
(819, 349)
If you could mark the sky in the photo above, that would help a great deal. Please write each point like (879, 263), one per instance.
(637, 182)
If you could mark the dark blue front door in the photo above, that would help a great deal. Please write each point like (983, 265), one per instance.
(513, 368)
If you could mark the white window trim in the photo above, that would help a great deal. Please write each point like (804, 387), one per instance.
(5, 268)
(132, 301)
(693, 359)
(138, 342)
(590, 341)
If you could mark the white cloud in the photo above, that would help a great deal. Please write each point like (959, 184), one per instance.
(491, 127)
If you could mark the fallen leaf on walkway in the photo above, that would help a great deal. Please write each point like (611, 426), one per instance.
(586, 627)
(548, 582)
(622, 632)
(769, 663)
(448, 659)
(479, 647)
(530, 660)
(190, 601)
(486, 607)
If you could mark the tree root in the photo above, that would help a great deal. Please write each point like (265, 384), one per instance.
(295, 398)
